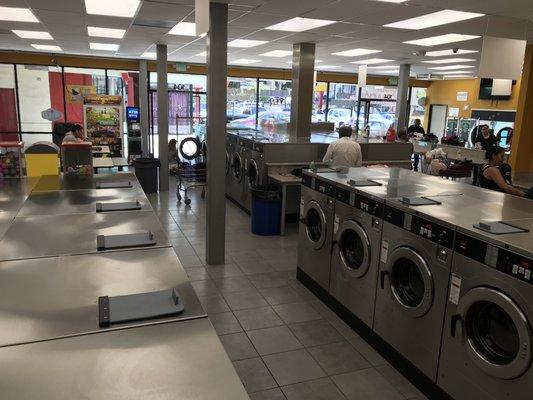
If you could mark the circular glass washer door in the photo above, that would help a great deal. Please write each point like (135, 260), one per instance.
(253, 173)
(498, 334)
(315, 221)
(354, 248)
(237, 167)
(411, 281)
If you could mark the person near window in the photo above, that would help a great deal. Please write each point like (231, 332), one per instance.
(172, 151)
(496, 174)
(485, 139)
(416, 131)
(345, 152)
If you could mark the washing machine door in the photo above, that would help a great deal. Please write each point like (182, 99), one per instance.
(237, 167)
(498, 334)
(411, 281)
(353, 247)
(253, 173)
(315, 224)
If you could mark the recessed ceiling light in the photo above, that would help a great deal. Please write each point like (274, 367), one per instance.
(327, 66)
(277, 53)
(450, 67)
(17, 14)
(453, 73)
(104, 46)
(449, 60)
(371, 61)
(245, 61)
(202, 54)
(450, 52)
(355, 52)
(46, 47)
(391, 71)
(392, 1)
(33, 34)
(149, 54)
(458, 76)
(299, 24)
(316, 62)
(244, 43)
(184, 29)
(434, 19)
(384, 67)
(114, 8)
(442, 39)
(106, 32)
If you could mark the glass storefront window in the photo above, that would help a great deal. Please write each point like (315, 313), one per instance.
(320, 102)
(274, 110)
(8, 103)
(375, 92)
(242, 101)
(39, 88)
(343, 101)
(417, 101)
(79, 82)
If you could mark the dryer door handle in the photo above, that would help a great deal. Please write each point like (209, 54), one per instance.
(304, 221)
(455, 319)
(382, 276)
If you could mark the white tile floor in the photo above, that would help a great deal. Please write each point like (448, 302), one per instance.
(284, 343)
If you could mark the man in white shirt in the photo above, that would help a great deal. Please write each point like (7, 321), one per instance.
(344, 153)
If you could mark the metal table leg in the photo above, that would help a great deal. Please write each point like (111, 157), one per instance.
(283, 200)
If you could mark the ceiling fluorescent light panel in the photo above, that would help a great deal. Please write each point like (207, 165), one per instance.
(277, 53)
(17, 14)
(245, 61)
(442, 39)
(246, 43)
(355, 52)
(114, 8)
(183, 29)
(104, 46)
(48, 47)
(41, 35)
(434, 19)
(149, 54)
(449, 60)
(113, 33)
(299, 24)
(450, 67)
(372, 61)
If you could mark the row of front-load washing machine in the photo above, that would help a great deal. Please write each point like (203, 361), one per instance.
(438, 271)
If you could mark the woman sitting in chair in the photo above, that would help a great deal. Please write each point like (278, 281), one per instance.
(496, 174)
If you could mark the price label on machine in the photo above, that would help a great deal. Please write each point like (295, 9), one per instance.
(384, 251)
(336, 225)
(455, 289)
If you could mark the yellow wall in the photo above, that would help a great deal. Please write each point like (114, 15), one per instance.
(445, 92)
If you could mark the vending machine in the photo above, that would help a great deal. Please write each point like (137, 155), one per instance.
(133, 120)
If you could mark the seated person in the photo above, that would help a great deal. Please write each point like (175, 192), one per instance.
(496, 174)
(345, 152)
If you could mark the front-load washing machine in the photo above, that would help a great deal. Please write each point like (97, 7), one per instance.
(358, 226)
(487, 340)
(237, 172)
(414, 269)
(316, 228)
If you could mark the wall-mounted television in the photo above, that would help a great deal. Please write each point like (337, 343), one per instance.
(485, 90)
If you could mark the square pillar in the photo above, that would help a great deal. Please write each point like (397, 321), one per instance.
(143, 105)
(303, 68)
(217, 71)
(402, 100)
(162, 115)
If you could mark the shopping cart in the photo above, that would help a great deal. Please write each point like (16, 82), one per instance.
(191, 171)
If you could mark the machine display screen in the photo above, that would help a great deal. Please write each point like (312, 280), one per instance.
(434, 232)
(132, 114)
(515, 265)
(324, 187)
(343, 195)
(369, 206)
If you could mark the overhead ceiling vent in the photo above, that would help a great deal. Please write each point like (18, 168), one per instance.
(154, 24)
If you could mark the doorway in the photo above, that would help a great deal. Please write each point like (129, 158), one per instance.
(438, 114)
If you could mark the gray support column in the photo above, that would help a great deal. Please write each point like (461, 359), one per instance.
(401, 100)
(217, 71)
(303, 67)
(143, 105)
(162, 115)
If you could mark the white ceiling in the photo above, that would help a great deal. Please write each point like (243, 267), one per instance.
(360, 25)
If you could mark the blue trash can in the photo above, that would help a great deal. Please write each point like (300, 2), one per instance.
(266, 210)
